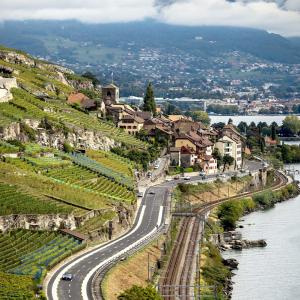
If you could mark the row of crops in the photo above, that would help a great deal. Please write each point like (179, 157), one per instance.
(90, 181)
(113, 161)
(26, 252)
(29, 254)
(97, 167)
(7, 148)
(47, 162)
(13, 201)
(15, 287)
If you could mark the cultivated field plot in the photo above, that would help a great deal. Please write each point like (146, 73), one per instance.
(112, 161)
(13, 201)
(13, 287)
(85, 179)
(25, 252)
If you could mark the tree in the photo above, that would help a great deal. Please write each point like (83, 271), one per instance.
(243, 126)
(218, 126)
(291, 125)
(140, 293)
(227, 161)
(217, 155)
(149, 101)
(273, 131)
(201, 116)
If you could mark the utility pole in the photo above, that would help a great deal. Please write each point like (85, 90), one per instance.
(148, 267)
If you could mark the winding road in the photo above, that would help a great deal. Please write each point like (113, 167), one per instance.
(149, 221)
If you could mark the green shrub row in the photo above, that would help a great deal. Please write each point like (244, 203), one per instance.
(231, 211)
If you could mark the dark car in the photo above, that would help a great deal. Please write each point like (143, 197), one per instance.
(151, 193)
(67, 277)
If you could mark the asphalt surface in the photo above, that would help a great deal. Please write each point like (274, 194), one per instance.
(150, 218)
(151, 214)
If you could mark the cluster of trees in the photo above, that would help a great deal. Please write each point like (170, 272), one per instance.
(223, 109)
(199, 116)
(290, 153)
(140, 157)
(290, 126)
(256, 133)
(230, 212)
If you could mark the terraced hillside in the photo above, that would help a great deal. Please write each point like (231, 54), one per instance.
(29, 254)
(13, 201)
(44, 177)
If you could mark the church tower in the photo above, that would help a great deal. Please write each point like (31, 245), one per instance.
(110, 94)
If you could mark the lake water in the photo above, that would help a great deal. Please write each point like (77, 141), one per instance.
(248, 119)
(273, 272)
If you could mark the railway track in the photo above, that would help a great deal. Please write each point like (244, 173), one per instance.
(177, 281)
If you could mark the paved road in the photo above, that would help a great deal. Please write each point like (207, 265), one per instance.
(150, 218)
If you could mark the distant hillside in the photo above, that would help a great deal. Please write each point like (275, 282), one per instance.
(295, 41)
(63, 38)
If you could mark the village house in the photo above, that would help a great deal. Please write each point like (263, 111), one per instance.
(188, 157)
(86, 103)
(131, 123)
(185, 126)
(194, 144)
(231, 146)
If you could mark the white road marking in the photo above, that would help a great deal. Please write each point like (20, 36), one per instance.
(75, 262)
(84, 291)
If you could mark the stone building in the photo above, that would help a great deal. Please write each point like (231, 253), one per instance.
(110, 94)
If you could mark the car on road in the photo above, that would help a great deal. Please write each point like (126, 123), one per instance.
(149, 174)
(202, 175)
(186, 178)
(156, 167)
(168, 179)
(221, 176)
(151, 193)
(67, 277)
(176, 177)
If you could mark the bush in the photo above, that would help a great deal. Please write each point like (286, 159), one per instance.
(264, 199)
(140, 293)
(28, 131)
(230, 212)
(67, 147)
(214, 270)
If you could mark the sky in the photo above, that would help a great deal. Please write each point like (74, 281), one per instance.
(277, 16)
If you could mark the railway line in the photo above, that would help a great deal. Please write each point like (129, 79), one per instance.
(178, 279)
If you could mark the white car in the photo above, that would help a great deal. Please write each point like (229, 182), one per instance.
(186, 178)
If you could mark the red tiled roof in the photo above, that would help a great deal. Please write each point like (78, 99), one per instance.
(76, 98)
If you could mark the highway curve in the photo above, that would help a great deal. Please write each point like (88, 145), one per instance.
(150, 219)
(151, 213)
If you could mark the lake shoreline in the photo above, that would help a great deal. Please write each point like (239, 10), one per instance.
(224, 250)
(231, 239)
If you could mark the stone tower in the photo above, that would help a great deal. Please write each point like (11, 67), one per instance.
(110, 94)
